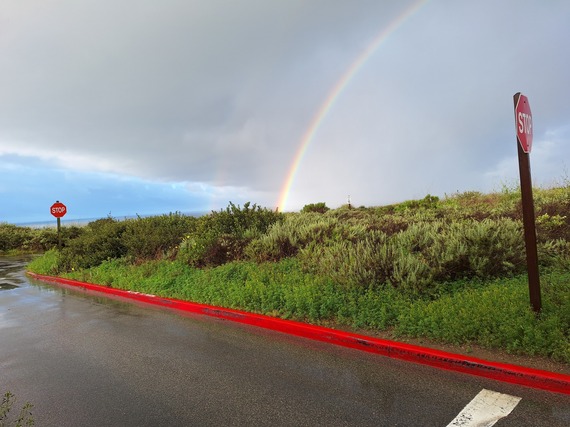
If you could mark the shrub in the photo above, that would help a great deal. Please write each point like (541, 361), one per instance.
(100, 240)
(285, 239)
(27, 239)
(237, 221)
(485, 249)
(223, 236)
(554, 253)
(13, 237)
(46, 238)
(320, 207)
(157, 236)
(349, 264)
(415, 259)
(552, 227)
(136, 239)
(373, 261)
(428, 202)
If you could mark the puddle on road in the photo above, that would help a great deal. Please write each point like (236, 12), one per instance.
(13, 271)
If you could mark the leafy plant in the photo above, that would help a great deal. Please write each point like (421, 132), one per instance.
(320, 207)
(156, 237)
(497, 315)
(101, 240)
(47, 264)
(222, 236)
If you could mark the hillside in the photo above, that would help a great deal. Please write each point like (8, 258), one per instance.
(451, 271)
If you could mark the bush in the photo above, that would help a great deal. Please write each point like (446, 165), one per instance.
(100, 240)
(46, 238)
(552, 227)
(554, 253)
(427, 203)
(320, 207)
(27, 239)
(415, 259)
(466, 249)
(156, 237)
(285, 239)
(13, 237)
(223, 236)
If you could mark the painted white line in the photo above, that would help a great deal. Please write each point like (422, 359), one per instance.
(485, 409)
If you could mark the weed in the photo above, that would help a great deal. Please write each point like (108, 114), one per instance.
(24, 418)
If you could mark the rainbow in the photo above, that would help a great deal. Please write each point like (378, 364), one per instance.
(333, 96)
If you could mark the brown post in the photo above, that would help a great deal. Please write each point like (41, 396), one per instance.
(529, 225)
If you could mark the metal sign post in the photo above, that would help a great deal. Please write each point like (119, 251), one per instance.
(58, 210)
(523, 122)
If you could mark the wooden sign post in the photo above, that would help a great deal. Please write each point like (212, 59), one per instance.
(523, 122)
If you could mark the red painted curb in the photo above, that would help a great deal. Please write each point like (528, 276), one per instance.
(529, 377)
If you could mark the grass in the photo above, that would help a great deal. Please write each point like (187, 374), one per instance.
(498, 316)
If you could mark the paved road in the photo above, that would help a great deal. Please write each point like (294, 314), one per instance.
(89, 361)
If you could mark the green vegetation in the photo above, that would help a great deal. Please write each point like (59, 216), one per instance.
(452, 270)
(320, 207)
(24, 418)
(15, 239)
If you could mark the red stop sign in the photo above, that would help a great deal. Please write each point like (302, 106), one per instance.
(523, 122)
(58, 209)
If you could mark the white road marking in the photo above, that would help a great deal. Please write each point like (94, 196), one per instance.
(485, 409)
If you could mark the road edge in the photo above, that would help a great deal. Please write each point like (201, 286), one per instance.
(535, 378)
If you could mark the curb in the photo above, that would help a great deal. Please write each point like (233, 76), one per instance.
(529, 377)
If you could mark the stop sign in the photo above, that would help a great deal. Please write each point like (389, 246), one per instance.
(523, 122)
(58, 209)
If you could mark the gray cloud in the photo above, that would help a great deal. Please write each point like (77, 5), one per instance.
(221, 93)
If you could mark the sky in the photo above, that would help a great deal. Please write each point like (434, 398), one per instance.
(144, 107)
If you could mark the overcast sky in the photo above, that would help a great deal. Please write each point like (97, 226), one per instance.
(128, 107)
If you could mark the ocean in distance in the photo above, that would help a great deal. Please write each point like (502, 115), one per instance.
(84, 221)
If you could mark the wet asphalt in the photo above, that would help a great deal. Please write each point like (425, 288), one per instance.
(84, 360)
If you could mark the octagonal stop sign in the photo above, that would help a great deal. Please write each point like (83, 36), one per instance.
(523, 122)
(58, 209)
